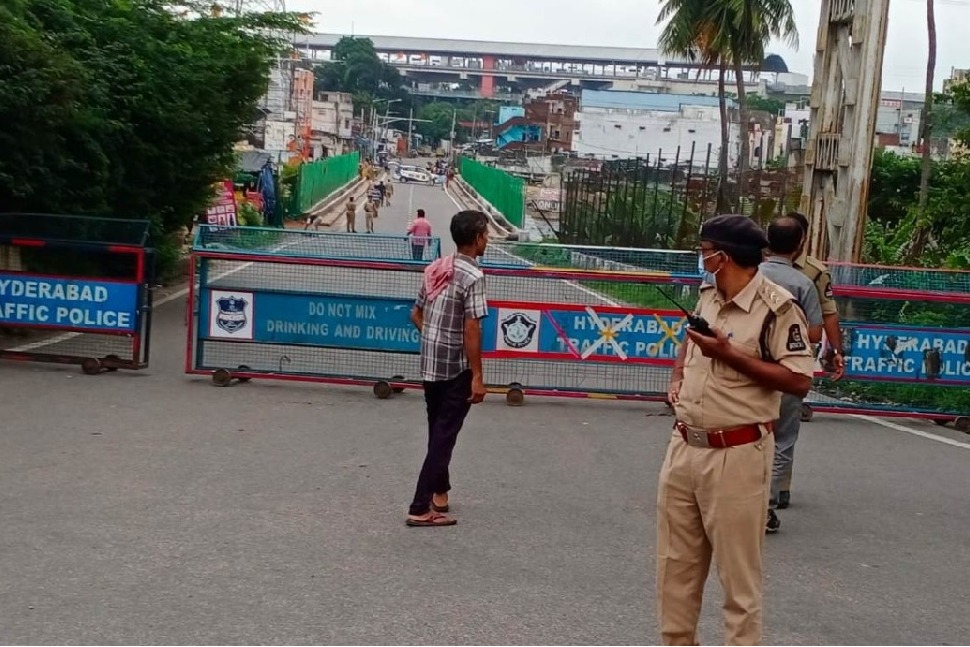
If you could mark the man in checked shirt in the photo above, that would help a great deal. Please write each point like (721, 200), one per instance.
(448, 312)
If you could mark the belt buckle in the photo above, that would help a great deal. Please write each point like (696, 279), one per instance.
(698, 437)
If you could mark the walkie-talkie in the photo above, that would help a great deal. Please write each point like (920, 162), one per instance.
(696, 322)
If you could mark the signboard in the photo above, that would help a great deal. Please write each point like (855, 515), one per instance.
(549, 200)
(222, 212)
(71, 304)
(891, 103)
(907, 354)
(582, 333)
(334, 321)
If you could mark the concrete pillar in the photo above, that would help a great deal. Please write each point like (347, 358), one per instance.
(488, 81)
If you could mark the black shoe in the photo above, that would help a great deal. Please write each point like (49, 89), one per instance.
(784, 499)
(774, 523)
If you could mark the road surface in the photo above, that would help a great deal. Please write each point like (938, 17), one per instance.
(154, 508)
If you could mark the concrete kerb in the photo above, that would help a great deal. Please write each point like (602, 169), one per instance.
(329, 207)
(495, 216)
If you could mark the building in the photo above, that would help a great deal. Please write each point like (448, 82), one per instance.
(557, 113)
(617, 125)
(333, 124)
(956, 76)
(302, 103)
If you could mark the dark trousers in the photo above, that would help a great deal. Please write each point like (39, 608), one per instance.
(447, 407)
(417, 252)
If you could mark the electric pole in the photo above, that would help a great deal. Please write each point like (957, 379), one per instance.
(844, 105)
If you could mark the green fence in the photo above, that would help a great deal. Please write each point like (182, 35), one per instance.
(316, 180)
(506, 193)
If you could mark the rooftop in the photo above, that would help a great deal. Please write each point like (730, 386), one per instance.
(533, 51)
(621, 100)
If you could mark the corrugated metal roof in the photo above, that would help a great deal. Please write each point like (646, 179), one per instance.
(621, 100)
(533, 51)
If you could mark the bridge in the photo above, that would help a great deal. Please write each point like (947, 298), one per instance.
(487, 69)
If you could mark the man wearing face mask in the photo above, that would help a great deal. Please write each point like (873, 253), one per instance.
(726, 392)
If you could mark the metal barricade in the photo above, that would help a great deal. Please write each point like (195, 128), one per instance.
(81, 286)
(593, 322)
(307, 306)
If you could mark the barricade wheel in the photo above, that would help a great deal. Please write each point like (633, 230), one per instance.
(397, 378)
(222, 377)
(962, 424)
(382, 390)
(91, 366)
(807, 413)
(515, 396)
(243, 367)
(109, 363)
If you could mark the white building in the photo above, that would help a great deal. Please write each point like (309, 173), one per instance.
(618, 125)
(333, 119)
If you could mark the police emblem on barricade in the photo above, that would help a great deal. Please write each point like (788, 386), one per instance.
(230, 315)
(519, 331)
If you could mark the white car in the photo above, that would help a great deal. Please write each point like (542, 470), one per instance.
(413, 174)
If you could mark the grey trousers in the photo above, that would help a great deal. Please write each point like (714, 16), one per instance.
(786, 435)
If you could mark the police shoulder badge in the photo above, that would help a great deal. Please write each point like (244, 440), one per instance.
(518, 330)
(796, 341)
(232, 314)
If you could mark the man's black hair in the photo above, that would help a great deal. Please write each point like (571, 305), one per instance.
(466, 226)
(785, 235)
(420, 213)
(801, 218)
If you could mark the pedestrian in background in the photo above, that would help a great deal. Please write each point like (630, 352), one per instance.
(389, 193)
(350, 211)
(448, 312)
(785, 241)
(370, 212)
(382, 188)
(420, 232)
(726, 392)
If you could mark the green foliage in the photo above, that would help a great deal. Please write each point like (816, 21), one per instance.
(356, 69)
(894, 216)
(766, 104)
(439, 115)
(249, 216)
(122, 108)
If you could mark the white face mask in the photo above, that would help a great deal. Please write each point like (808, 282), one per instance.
(707, 277)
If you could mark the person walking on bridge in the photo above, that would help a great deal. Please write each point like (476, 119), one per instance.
(726, 392)
(420, 233)
(786, 238)
(448, 312)
(350, 212)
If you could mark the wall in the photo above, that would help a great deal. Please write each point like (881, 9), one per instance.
(636, 133)
(509, 112)
(903, 122)
(678, 86)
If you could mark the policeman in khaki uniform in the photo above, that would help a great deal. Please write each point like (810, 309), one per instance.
(819, 274)
(726, 391)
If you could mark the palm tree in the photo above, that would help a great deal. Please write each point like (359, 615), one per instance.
(922, 233)
(750, 26)
(691, 34)
(726, 33)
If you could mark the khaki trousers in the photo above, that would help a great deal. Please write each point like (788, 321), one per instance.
(351, 221)
(712, 502)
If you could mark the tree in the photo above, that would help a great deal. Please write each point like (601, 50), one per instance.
(357, 69)
(122, 108)
(690, 33)
(921, 234)
(773, 107)
(748, 28)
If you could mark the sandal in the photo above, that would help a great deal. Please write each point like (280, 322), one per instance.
(434, 520)
(439, 508)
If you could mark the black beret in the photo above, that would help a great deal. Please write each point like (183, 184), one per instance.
(734, 231)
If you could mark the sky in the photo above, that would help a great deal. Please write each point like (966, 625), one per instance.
(632, 23)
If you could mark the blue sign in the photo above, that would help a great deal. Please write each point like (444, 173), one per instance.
(335, 321)
(76, 304)
(907, 354)
(565, 332)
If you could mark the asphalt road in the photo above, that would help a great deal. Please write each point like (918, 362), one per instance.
(154, 508)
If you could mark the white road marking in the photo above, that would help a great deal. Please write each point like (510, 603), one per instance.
(909, 430)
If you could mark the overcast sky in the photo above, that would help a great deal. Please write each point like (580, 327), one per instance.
(632, 23)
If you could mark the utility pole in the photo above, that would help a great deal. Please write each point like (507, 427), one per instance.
(845, 101)
(410, 128)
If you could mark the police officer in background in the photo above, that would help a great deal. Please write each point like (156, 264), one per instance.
(819, 275)
(786, 238)
(726, 393)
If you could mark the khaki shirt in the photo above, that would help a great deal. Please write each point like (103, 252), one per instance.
(714, 395)
(818, 274)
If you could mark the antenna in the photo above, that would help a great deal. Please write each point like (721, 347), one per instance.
(696, 322)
